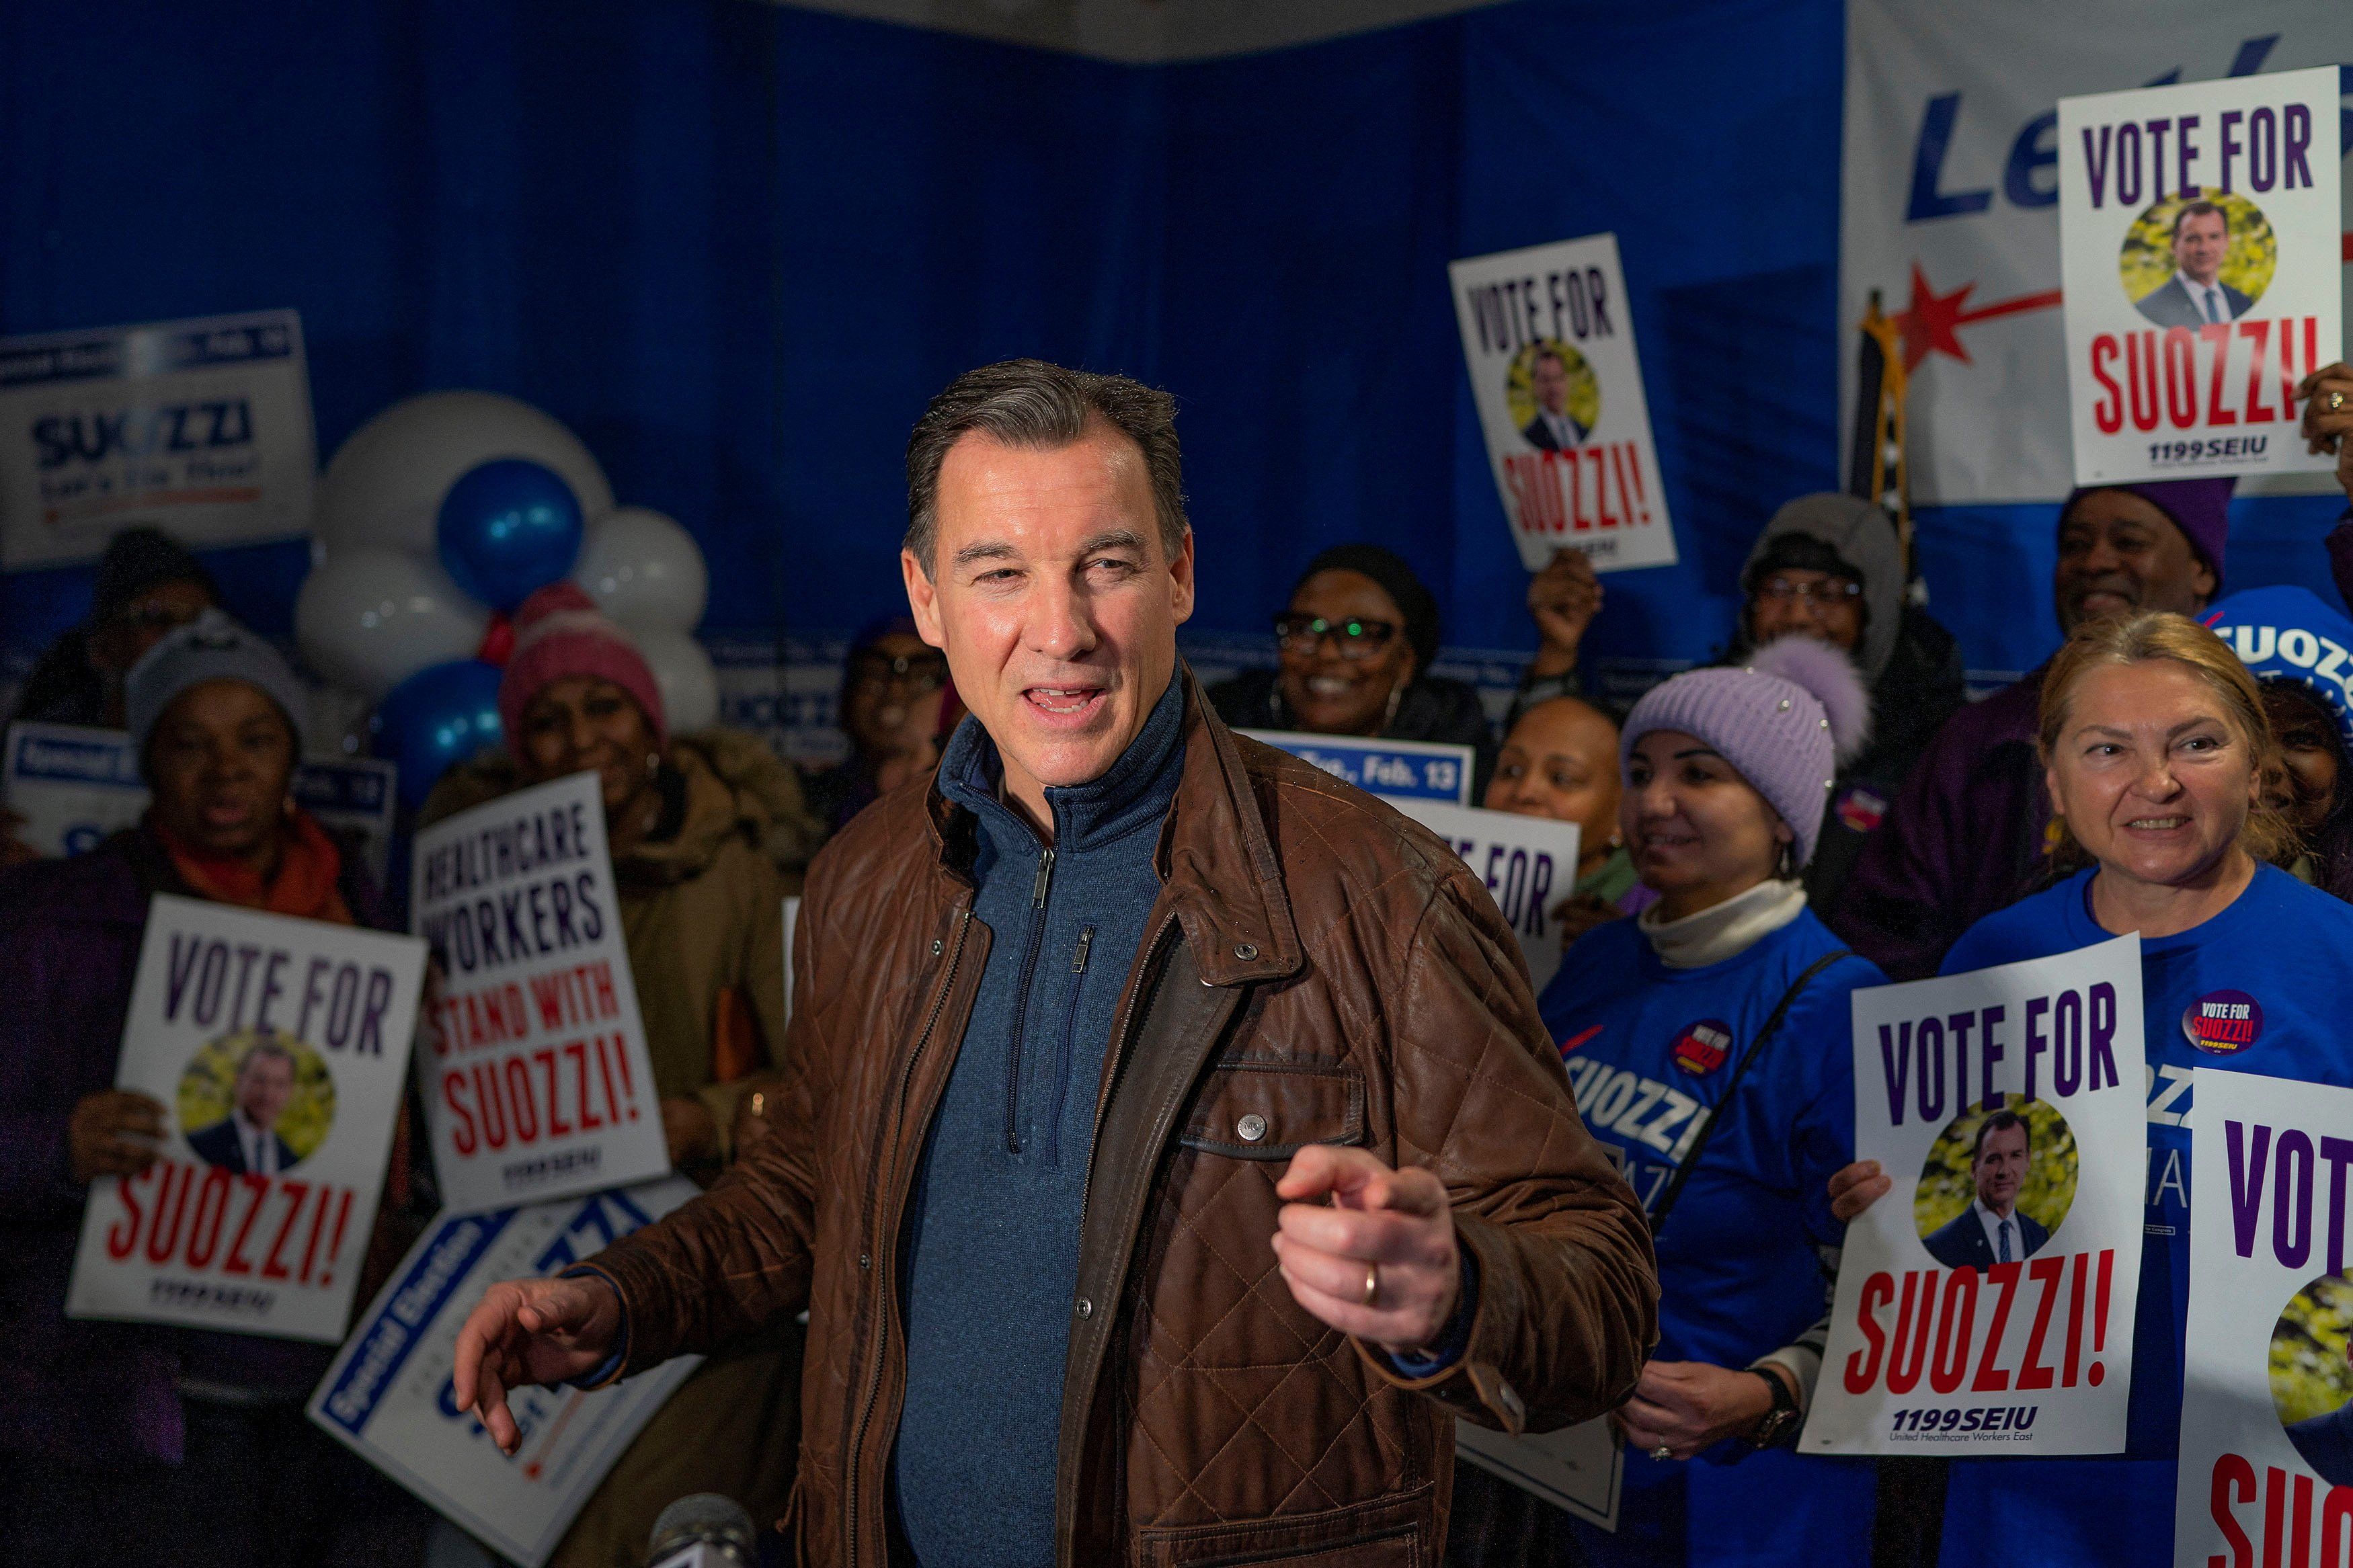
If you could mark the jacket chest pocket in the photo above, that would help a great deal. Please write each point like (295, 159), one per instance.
(1268, 1108)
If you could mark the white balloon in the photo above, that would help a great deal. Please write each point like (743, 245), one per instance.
(386, 485)
(367, 619)
(643, 570)
(683, 672)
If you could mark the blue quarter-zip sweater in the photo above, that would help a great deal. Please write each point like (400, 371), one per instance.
(991, 1241)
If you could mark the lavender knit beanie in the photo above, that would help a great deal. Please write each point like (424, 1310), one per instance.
(1786, 722)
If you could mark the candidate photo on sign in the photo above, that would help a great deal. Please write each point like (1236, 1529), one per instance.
(2312, 1375)
(1996, 1185)
(1554, 396)
(258, 1102)
(2197, 262)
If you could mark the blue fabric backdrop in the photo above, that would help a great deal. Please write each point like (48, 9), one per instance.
(736, 247)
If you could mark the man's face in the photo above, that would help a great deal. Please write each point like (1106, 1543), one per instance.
(1551, 379)
(2200, 245)
(2000, 1168)
(1822, 606)
(2118, 553)
(1053, 600)
(264, 1084)
(151, 615)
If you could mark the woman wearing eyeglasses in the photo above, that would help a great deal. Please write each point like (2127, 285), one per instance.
(894, 691)
(1356, 641)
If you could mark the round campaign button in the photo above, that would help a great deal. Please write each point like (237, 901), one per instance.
(1702, 1047)
(2223, 1022)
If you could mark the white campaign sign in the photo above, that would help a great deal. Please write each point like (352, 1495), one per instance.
(1549, 342)
(388, 1397)
(1949, 203)
(2266, 1427)
(1578, 1468)
(2200, 236)
(538, 1084)
(73, 787)
(1528, 863)
(202, 427)
(1938, 1345)
(279, 1048)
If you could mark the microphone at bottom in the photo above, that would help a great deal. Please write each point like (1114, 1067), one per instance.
(704, 1530)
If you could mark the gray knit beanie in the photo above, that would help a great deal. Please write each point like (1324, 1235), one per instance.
(210, 647)
(1786, 722)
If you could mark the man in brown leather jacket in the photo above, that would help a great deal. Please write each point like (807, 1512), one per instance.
(1170, 1148)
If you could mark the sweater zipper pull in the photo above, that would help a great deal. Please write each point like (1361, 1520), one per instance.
(1045, 875)
(1086, 941)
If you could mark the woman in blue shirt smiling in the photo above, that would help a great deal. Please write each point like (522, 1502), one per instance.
(2156, 750)
(1708, 1041)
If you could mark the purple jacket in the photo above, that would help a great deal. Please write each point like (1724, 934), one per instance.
(69, 935)
(1965, 838)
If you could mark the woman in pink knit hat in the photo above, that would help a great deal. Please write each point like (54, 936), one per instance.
(708, 834)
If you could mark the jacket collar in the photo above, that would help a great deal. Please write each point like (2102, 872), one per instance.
(1220, 875)
(1132, 794)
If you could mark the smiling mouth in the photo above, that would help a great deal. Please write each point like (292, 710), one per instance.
(1329, 685)
(1659, 841)
(2156, 824)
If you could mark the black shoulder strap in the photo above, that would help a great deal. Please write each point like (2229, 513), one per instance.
(1675, 1188)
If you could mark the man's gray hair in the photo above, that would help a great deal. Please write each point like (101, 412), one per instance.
(1032, 403)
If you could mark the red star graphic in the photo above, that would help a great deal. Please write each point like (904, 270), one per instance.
(1931, 323)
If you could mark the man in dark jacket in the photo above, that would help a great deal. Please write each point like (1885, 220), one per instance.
(1971, 832)
(1171, 1147)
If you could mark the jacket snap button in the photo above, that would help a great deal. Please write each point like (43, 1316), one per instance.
(1245, 952)
(866, 1260)
(1086, 1308)
(1251, 1128)
(936, 945)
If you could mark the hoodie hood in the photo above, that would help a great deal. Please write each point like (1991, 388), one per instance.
(1864, 539)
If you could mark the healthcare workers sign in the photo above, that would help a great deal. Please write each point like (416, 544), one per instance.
(1527, 863)
(388, 1397)
(1985, 1305)
(538, 1084)
(1950, 204)
(2201, 231)
(2267, 1399)
(1549, 342)
(279, 1048)
(200, 427)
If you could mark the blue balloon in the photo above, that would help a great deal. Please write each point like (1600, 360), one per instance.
(507, 527)
(438, 717)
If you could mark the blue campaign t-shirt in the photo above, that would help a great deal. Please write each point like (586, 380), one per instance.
(2263, 987)
(1648, 1049)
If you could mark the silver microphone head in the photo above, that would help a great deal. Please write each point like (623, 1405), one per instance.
(704, 1517)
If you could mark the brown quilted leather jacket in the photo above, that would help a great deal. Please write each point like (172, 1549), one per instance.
(1315, 959)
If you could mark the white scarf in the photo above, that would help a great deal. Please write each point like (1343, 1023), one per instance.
(1726, 929)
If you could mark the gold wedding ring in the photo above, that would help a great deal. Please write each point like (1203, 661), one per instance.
(1372, 1283)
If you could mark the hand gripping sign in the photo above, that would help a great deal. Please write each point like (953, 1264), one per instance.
(279, 1048)
(1548, 338)
(388, 1398)
(1528, 864)
(536, 1080)
(1986, 1304)
(2201, 244)
(2267, 1399)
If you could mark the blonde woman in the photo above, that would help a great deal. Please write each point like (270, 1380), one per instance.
(2155, 749)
